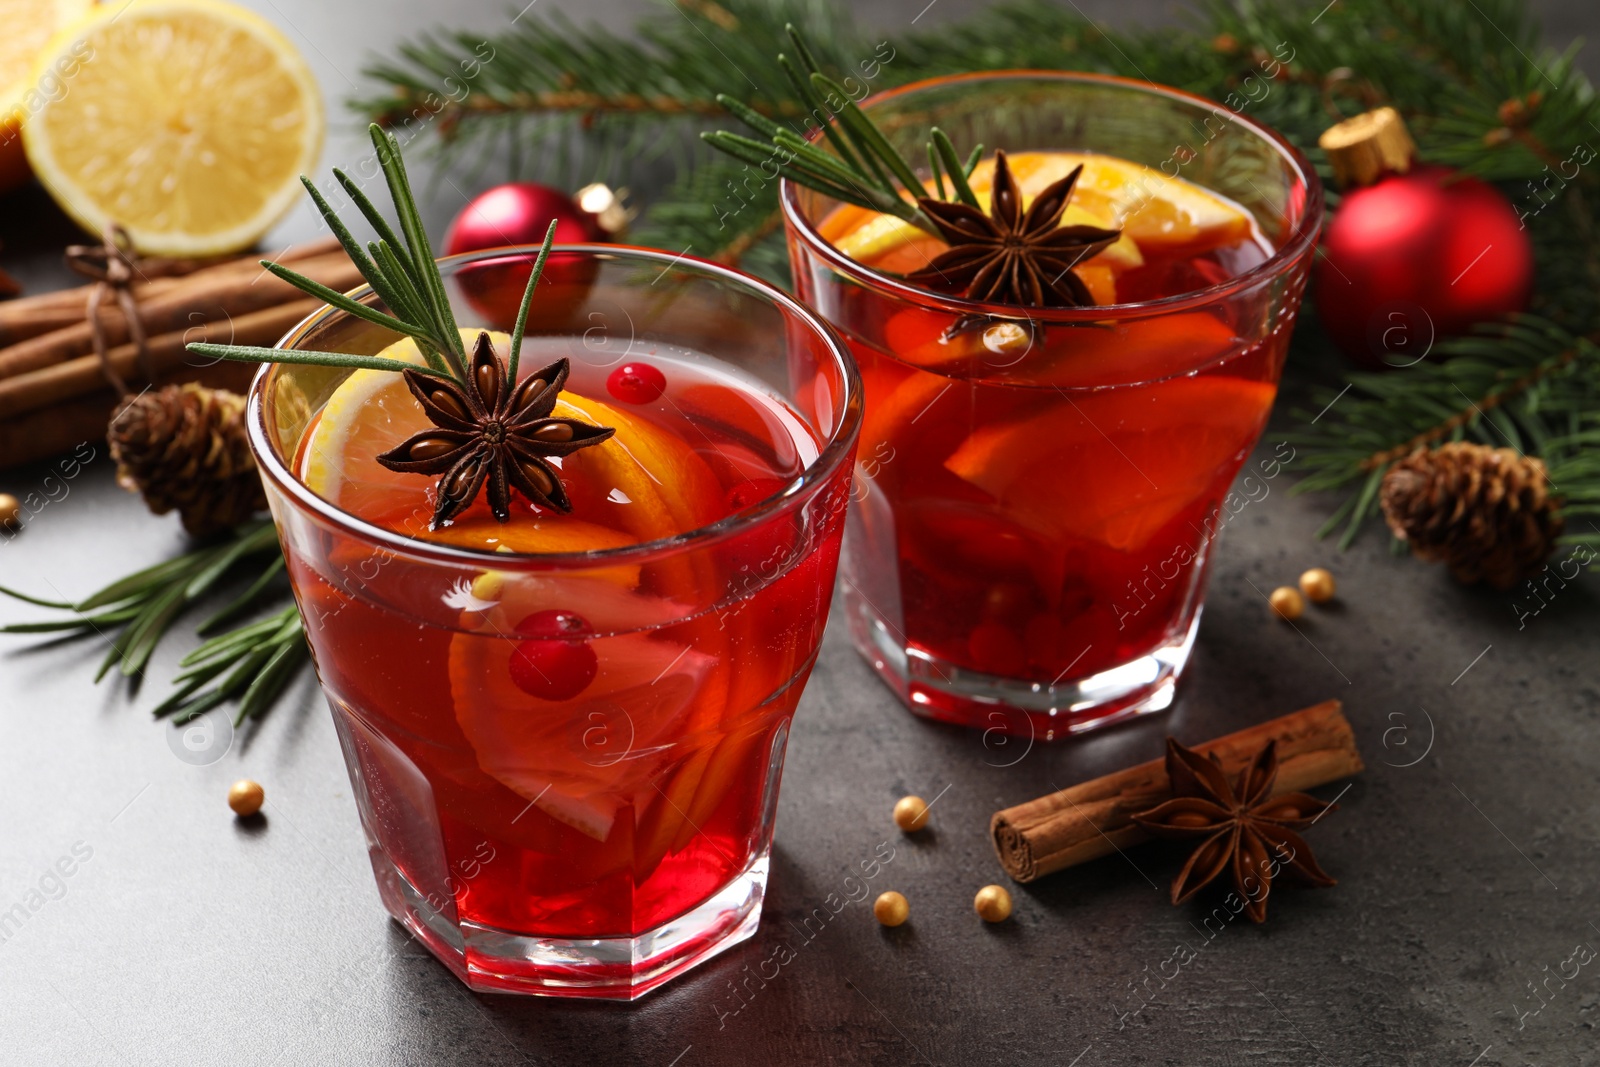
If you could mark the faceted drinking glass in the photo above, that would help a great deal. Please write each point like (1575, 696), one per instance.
(597, 845)
(1037, 509)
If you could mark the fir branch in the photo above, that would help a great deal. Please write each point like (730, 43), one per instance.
(1477, 88)
(1528, 384)
(617, 84)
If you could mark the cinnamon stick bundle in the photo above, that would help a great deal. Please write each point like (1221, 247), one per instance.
(31, 316)
(1095, 818)
(55, 392)
(214, 294)
(165, 354)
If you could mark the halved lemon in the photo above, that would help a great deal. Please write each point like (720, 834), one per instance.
(188, 122)
(29, 26)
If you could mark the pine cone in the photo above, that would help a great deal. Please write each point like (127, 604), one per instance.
(1486, 512)
(184, 448)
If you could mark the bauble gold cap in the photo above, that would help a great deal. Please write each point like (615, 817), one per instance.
(1363, 148)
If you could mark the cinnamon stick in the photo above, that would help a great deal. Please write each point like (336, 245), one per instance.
(166, 355)
(54, 430)
(34, 315)
(205, 296)
(1095, 818)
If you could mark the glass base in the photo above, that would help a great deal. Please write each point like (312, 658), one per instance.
(620, 968)
(937, 689)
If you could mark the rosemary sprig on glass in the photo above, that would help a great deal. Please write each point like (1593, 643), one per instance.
(401, 271)
(867, 170)
(254, 662)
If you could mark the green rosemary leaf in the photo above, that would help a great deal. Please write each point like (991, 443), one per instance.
(389, 259)
(243, 673)
(816, 108)
(145, 631)
(113, 655)
(749, 115)
(345, 303)
(352, 247)
(261, 537)
(958, 170)
(242, 603)
(375, 219)
(401, 298)
(937, 172)
(972, 161)
(527, 301)
(85, 623)
(272, 677)
(755, 152)
(223, 644)
(176, 698)
(217, 663)
(427, 278)
(245, 354)
(140, 583)
(826, 179)
(855, 120)
(26, 599)
(851, 148)
(201, 704)
(806, 154)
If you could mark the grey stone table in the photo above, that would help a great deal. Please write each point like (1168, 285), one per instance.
(1466, 858)
(140, 924)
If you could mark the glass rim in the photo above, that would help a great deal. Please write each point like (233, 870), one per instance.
(831, 456)
(1303, 238)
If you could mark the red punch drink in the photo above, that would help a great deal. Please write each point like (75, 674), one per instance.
(566, 731)
(1042, 485)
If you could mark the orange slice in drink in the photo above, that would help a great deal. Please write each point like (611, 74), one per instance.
(644, 480)
(1113, 353)
(581, 761)
(1116, 466)
(1153, 210)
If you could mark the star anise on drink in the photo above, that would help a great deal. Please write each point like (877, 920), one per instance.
(1012, 256)
(486, 432)
(1245, 830)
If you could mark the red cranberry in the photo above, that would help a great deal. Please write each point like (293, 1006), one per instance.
(555, 663)
(636, 383)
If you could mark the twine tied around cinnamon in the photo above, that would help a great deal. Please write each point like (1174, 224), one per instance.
(113, 265)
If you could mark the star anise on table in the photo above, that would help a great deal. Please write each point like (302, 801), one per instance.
(1246, 831)
(486, 432)
(1011, 256)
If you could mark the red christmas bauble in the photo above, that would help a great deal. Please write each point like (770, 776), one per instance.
(519, 213)
(1418, 256)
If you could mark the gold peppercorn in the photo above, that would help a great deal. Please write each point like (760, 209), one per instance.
(891, 908)
(910, 813)
(993, 904)
(1287, 603)
(10, 512)
(246, 797)
(1318, 585)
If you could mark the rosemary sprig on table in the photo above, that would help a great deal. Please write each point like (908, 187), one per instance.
(866, 170)
(135, 613)
(401, 271)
